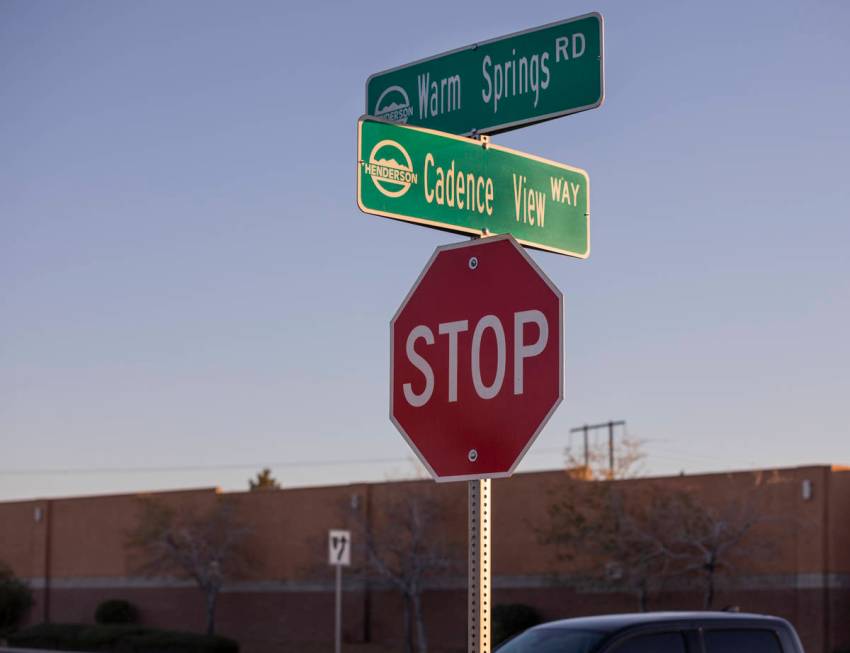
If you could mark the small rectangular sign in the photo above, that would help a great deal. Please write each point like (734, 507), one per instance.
(469, 186)
(501, 84)
(339, 548)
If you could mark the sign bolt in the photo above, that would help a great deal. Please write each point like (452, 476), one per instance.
(473, 263)
(472, 455)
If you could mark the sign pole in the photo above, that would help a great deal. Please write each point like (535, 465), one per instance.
(338, 611)
(478, 564)
(480, 506)
(339, 555)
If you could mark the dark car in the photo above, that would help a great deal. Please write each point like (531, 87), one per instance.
(660, 632)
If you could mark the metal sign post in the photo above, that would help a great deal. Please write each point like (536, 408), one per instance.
(480, 506)
(338, 611)
(339, 556)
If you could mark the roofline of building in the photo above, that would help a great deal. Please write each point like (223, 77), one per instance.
(826, 467)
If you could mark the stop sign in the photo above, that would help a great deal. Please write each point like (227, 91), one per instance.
(476, 359)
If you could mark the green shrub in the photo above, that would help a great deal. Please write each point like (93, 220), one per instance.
(167, 641)
(60, 637)
(116, 611)
(119, 638)
(105, 637)
(511, 619)
(15, 600)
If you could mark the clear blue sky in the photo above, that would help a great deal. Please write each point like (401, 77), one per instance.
(187, 282)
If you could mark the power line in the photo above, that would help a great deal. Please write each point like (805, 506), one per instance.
(219, 466)
(664, 453)
(199, 468)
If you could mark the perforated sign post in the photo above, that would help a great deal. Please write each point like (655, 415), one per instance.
(500, 84)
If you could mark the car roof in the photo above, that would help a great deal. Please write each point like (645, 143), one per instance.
(607, 623)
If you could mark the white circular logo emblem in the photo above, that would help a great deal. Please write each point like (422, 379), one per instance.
(390, 168)
(394, 105)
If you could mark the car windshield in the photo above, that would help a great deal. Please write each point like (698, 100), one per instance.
(553, 640)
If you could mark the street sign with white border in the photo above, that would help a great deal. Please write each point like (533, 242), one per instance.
(499, 84)
(471, 187)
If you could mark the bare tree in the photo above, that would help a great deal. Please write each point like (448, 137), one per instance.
(710, 539)
(624, 533)
(648, 533)
(405, 547)
(601, 518)
(205, 548)
(595, 464)
(636, 540)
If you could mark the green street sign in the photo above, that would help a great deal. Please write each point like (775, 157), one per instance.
(470, 186)
(497, 85)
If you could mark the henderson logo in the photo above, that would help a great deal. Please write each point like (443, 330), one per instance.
(390, 168)
(394, 105)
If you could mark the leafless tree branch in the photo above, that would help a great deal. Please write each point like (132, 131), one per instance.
(204, 548)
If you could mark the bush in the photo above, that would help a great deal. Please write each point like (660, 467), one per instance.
(107, 637)
(168, 641)
(119, 638)
(49, 636)
(15, 600)
(116, 611)
(511, 619)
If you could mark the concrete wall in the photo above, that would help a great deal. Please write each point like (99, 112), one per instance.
(73, 551)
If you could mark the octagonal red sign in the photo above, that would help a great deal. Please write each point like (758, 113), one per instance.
(476, 359)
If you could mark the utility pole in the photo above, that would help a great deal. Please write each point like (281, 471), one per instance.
(585, 430)
(586, 448)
